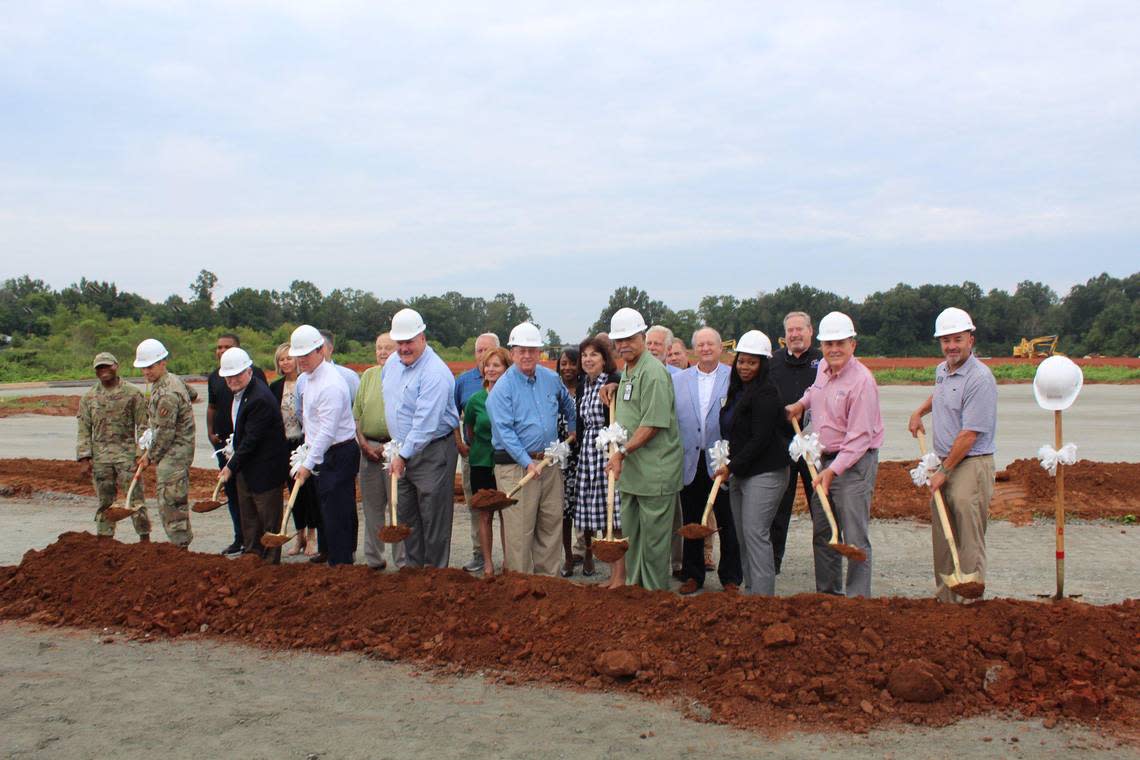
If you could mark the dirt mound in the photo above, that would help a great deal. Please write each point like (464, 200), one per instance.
(1024, 490)
(54, 406)
(827, 663)
(24, 477)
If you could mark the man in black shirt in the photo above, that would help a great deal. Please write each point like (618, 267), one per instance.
(793, 369)
(219, 427)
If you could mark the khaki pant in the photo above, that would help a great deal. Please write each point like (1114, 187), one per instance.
(111, 479)
(967, 494)
(533, 527)
(476, 551)
(374, 493)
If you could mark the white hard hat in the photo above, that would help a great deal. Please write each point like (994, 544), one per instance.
(951, 321)
(625, 323)
(234, 361)
(149, 352)
(525, 335)
(754, 342)
(407, 324)
(305, 340)
(1057, 383)
(836, 326)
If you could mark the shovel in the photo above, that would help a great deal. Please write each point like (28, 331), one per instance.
(490, 500)
(394, 533)
(210, 504)
(117, 512)
(970, 586)
(847, 550)
(273, 540)
(700, 531)
(609, 549)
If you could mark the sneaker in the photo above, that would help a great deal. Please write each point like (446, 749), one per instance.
(232, 549)
(475, 565)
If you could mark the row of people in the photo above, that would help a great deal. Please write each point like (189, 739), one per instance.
(513, 408)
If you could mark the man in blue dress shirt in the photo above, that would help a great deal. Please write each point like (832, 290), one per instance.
(523, 407)
(419, 403)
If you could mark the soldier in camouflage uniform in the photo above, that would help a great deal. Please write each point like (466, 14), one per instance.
(171, 449)
(111, 416)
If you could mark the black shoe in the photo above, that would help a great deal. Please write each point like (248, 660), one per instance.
(232, 549)
(319, 558)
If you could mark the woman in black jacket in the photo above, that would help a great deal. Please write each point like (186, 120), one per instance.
(754, 423)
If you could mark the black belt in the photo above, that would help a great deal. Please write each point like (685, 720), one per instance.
(336, 446)
(499, 456)
(370, 439)
(834, 454)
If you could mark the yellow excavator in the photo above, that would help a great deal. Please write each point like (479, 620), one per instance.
(1045, 345)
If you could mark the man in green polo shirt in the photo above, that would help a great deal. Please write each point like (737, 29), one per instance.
(372, 434)
(648, 467)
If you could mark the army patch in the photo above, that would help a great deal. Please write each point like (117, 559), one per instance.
(162, 411)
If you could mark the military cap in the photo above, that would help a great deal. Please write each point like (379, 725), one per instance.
(104, 357)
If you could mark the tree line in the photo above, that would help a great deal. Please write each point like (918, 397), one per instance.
(1101, 315)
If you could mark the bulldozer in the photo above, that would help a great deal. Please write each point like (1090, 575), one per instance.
(1045, 345)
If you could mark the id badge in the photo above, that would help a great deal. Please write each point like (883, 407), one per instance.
(628, 392)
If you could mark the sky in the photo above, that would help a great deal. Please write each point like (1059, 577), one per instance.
(561, 150)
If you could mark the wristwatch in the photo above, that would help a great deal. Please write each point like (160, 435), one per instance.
(942, 469)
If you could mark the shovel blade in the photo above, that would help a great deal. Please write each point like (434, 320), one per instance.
(394, 534)
(209, 505)
(115, 513)
(850, 552)
(695, 531)
(490, 500)
(609, 551)
(273, 540)
(967, 585)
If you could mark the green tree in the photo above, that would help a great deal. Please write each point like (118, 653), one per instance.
(652, 311)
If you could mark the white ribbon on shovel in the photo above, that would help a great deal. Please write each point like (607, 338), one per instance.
(391, 451)
(718, 454)
(146, 439)
(927, 466)
(558, 452)
(806, 446)
(297, 458)
(1051, 457)
(613, 434)
(227, 450)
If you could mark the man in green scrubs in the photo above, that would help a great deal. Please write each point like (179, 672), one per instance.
(648, 467)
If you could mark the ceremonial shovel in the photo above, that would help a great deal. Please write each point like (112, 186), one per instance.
(847, 550)
(491, 500)
(701, 531)
(273, 540)
(116, 512)
(609, 549)
(394, 533)
(970, 586)
(210, 504)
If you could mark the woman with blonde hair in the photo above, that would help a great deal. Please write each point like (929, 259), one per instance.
(306, 509)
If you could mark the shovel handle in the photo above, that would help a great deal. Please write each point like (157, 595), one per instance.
(1060, 518)
(131, 487)
(393, 490)
(823, 500)
(611, 481)
(712, 499)
(527, 478)
(217, 488)
(943, 518)
(289, 506)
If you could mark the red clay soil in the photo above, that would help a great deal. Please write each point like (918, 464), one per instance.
(1024, 490)
(54, 406)
(25, 477)
(761, 663)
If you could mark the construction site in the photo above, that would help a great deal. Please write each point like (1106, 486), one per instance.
(190, 653)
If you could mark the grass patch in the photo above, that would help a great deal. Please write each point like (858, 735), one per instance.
(1009, 373)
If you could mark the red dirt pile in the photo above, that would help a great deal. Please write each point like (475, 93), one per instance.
(25, 477)
(53, 406)
(1023, 490)
(762, 663)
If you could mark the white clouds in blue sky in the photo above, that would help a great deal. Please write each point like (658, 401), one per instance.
(560, 150)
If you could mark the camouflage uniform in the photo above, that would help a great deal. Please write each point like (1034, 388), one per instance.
(110, 420)
(172, 451)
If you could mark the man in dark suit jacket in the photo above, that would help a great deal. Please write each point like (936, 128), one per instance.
(260, 462)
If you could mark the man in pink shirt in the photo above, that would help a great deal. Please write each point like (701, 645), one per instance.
(844, 406)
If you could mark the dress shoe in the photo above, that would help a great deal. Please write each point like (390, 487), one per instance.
(689, 587)
(232, 549)
(319, 558)
(731, 588)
